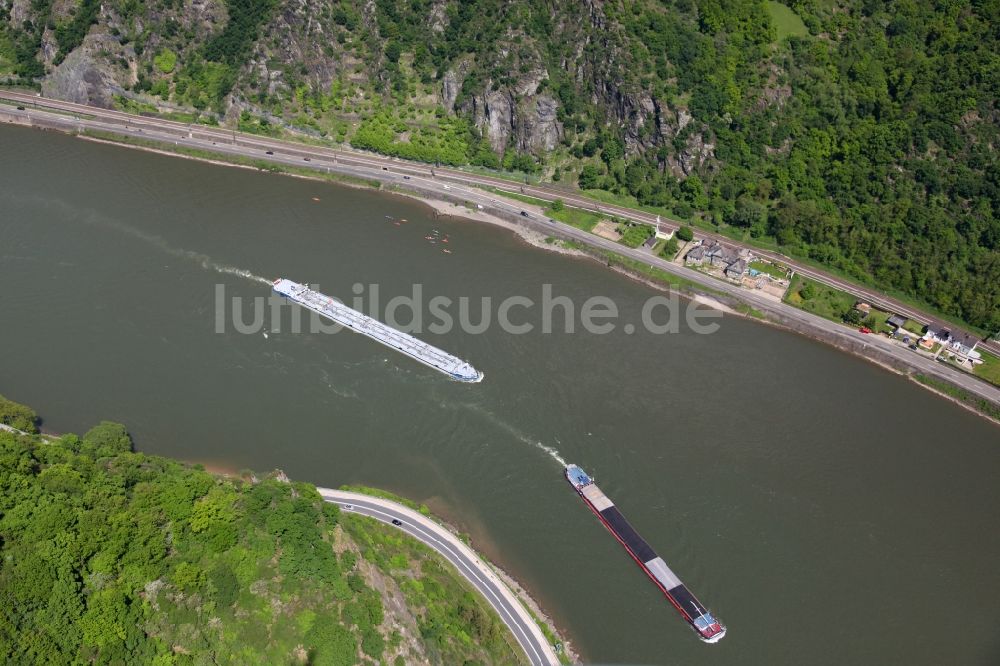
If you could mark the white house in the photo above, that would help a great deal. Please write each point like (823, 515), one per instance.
(662, 231)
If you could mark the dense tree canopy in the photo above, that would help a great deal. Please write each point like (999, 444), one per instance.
(113, 557)
(860, 135)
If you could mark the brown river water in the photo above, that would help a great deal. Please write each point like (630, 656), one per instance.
(829, 512)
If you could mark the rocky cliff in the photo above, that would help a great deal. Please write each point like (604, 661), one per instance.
(503, 85)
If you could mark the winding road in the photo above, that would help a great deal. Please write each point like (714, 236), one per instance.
(463, 558)
(451, 184)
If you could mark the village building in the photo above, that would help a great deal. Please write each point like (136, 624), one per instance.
(938, 333)
(695, 257)
(662, 231)
(961, 344)
(965, 345)
(897, 321)
(732, 262)
(736, 269)
(720, 256)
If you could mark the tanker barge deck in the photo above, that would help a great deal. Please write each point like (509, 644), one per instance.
(404, 343)
(708, 628)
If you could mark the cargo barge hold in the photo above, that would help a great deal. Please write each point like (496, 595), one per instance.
(404, 343)
(708, 628)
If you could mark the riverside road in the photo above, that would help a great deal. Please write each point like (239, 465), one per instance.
(450, 185)
(140, 124)
(468, 564)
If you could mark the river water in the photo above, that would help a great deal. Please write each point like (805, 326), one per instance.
(828, 511)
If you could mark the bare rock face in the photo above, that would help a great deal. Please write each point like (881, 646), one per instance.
(493, 114)
(532, 122)
(538, 128)
(82, 79)
(451, 83)
(294, 35)
(696, 152)
(647, 123)
(438, 17)
(517, 116)
(20, 11)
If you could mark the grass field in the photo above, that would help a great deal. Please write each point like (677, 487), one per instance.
(786, 21)
(990, 368)
(984, 406)
(580, 219)
(575, 217)
(826, 302)
(831, 304)
(769, 268)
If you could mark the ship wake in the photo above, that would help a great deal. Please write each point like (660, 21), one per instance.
(515, 432)
(204, 260)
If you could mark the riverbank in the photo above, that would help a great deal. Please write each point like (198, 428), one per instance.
(214, 567)
(566, 652)
(555, 637)
(437, 205)
(534, 230)
(532, 617)
(736, 454)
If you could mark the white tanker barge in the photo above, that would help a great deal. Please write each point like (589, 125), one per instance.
(339, 313)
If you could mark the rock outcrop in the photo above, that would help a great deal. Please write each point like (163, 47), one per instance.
(506, 90)
(82, 78)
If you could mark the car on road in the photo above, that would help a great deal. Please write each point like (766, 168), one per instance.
(397, 522)
(385, 168)
(524, 213)
(348, 506)
(20, 108)
(406, 177)
(447, 187)
(865, 329)
(307, 159)
(269, 152)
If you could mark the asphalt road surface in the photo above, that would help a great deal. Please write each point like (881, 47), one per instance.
(448, 182)
(141, 124)
(472, 568)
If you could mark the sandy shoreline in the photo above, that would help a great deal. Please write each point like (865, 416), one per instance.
(441, 208)
(543, 242)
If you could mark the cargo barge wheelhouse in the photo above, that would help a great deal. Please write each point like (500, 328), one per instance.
(708, 628)
(404, 343)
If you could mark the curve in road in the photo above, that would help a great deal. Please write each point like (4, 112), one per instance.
(471, 566)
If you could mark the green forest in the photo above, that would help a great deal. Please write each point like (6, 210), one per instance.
(108, 556)
(858, 135)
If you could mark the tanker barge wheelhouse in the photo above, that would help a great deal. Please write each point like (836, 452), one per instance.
(708, 628)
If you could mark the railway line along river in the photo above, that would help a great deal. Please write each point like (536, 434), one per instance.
(830, 511)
